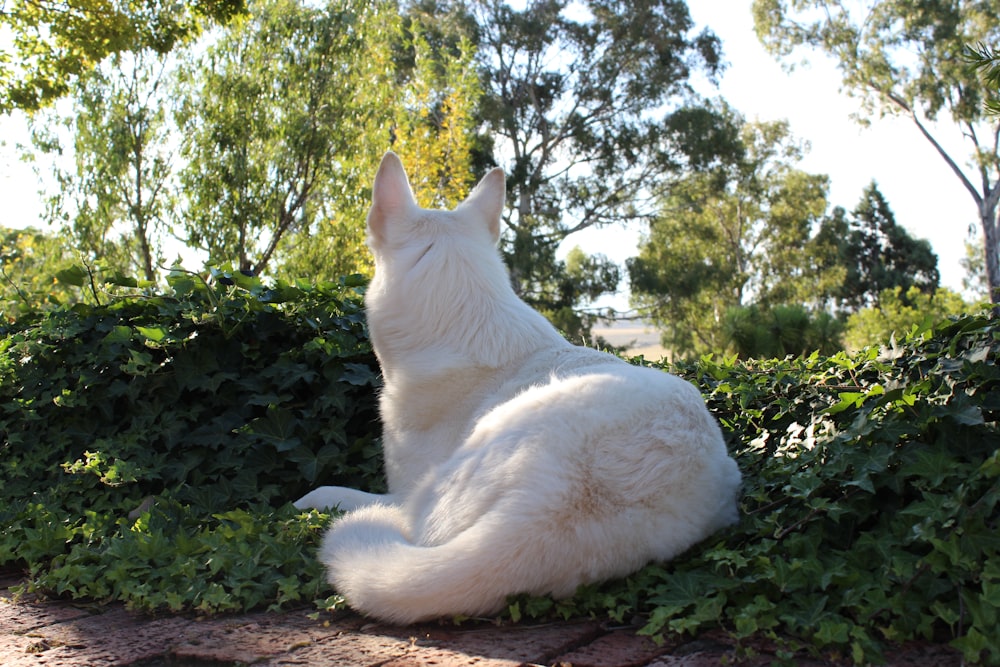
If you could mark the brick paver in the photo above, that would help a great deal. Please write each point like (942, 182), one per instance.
(56, 633)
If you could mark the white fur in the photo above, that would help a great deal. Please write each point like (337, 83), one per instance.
(516, 462)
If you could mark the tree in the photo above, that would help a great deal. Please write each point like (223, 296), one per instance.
(425, 112)
(579, 98)
(56, 41)
(741, 233)
(880, 255)
(974, 280)
(897, 312)
(433, 125)
(902, 57)
(29, 261)
(114, 202)
(765, 333)
(579, 280)
(282, 186)
(278, 116)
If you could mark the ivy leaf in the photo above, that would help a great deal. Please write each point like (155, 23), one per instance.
(965, 414)
(277, 428)
(848, 399)
(359, 375)
(833, 631)
(155, 334)
(119, 334)
(991, 466)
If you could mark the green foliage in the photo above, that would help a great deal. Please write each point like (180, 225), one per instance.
(148, 441)
(283, 118)
(433, 127)
(880, 255)
(898, 311)
(175, 557)
(55, 42)
(28, 259)
(784, 330)
(987, 61)
(239, 172)
(873, 44)
(422, 89)
(114, 200)
(739, 232)
(974, 264)
(579, 280)
(150, 446)
(580, 98)
(870, 507)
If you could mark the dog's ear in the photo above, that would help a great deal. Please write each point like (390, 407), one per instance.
(391, 196)
(488, 198)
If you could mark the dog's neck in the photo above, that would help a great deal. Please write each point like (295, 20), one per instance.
(462, 325)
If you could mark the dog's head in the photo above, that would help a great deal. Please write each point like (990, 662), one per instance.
(441, 297)
(400, 232)
(437, 273)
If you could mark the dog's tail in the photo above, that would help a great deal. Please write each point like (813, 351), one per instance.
(373, 564)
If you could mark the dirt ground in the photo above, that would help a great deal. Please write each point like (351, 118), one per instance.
(640, 339)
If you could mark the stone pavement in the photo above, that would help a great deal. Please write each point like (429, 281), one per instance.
(58, 633)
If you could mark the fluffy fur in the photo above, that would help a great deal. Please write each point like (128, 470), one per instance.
(516, 462)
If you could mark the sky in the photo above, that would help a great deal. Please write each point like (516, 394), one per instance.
(924, 194)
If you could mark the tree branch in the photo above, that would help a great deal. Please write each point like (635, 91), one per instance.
(901, 103)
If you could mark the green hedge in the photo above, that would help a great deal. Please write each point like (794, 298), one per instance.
(869, 511)
(218, 403)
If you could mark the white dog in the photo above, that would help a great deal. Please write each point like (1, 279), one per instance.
(516, 462)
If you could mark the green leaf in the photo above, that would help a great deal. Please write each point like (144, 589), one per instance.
(968, 415)
(119, 334)
(278, 428)
(848, 399)
(126, 281)
(832, 631)
(155, 334)
(514, 609)
(991, 466)
(359, 375)
(74, 275)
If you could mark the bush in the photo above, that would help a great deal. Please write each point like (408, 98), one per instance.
(754, 331)
(869, 513)
(897, 311)
(209, 408)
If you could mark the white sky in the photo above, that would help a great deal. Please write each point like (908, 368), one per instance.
(924, 194)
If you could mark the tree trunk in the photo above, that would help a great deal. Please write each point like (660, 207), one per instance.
(145, 251)
(991, 243)
(523, 212)
(141, 223)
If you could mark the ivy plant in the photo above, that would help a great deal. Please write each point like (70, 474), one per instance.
(150, 446)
